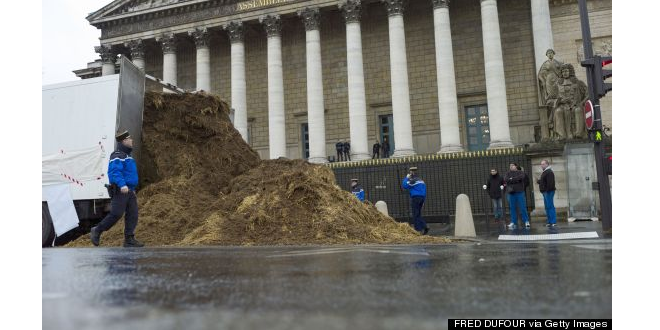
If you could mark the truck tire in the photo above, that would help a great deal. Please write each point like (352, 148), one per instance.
(47, 230)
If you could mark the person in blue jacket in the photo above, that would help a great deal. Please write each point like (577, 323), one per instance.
(123, 176)
(417, 189)
(356, 189)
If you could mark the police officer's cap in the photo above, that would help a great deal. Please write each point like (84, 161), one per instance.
(414, 168)
(122, 136)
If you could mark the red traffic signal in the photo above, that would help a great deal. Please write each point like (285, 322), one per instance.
(601, 75)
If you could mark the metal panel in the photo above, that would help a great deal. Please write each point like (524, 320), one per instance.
(131, 103)
(446, 176)
(78, 115)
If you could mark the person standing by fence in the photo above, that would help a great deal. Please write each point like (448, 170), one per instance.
(494, 187)
(547, 187)
(417, 189)
(356, 189)
(515, 188)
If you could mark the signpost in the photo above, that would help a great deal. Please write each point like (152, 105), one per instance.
(589, 114)
(597, 89)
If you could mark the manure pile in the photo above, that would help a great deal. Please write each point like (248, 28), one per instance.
(202, 184)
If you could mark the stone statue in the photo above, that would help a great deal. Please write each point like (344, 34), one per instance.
(547, 86)
(567, 119)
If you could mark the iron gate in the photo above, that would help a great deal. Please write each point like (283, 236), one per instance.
(446, 176)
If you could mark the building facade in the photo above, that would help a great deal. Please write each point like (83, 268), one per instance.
(428, 76)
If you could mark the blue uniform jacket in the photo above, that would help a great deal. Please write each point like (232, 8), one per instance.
(122, 169)
(358, 192)
(415, 186)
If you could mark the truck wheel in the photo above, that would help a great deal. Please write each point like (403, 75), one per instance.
(47, 230)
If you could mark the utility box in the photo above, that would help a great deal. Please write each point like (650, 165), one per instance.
(580, 181)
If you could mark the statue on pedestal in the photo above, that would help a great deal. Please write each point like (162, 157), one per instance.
(567, 118)
(547, 85)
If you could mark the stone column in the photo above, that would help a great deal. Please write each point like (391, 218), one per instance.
(399, 75)
(108, 57)
(498, 114)
(169, 59)
(276, 123)
(450, 135)
(357, 105)
(203, 60)
(542, 30)
(238, 83)
(315, 106)
(137, 52)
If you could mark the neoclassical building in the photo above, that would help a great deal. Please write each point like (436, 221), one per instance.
(426, 75)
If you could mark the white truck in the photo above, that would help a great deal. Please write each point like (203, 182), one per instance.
(79, 122)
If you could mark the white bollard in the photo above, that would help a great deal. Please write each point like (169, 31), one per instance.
(382, 207)
(464, 221)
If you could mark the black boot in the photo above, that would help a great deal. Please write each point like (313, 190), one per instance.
(95, 236)
(130, 241)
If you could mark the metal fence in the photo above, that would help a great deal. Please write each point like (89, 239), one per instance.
(446, 176)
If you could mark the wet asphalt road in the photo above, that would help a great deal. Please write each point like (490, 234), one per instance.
(337, 287)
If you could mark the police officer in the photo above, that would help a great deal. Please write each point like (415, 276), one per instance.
(340, 150)
(376, 150)
(386, 148)
(356, 189)
(123, 176)
(347, 150)
(417, 188)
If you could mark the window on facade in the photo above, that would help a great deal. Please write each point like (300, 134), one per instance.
(478, 127)
(304, 137)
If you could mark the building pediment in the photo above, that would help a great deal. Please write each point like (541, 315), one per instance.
(126, 8)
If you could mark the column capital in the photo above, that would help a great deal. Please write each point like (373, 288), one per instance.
(440, 4)
(272, 24)
(201, 36)
(394, 7)
(235, 30)
(311, 18)
(106, 53)
(168, 42)
(351, 10)
(136, 47)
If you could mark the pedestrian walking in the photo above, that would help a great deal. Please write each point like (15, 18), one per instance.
(494, 186)
(376, 150)
(356, 189)
(386, 148)
(417, 189)
(340, 150)
(547, 187)
(515, 190)
(347, 150)
(123, 176)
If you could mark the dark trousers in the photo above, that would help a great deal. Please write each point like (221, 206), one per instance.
(119, 204)
(347, 155)
(376, 155)
(340, 154)
(417, 203)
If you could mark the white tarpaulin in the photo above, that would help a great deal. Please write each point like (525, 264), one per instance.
(60, 205)
(76, 167)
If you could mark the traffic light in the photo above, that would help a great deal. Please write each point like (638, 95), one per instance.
(601, 75)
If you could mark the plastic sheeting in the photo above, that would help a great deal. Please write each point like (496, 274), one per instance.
(60, 205)
(75, 167)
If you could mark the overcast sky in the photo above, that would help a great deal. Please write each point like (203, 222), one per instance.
(67, 38)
